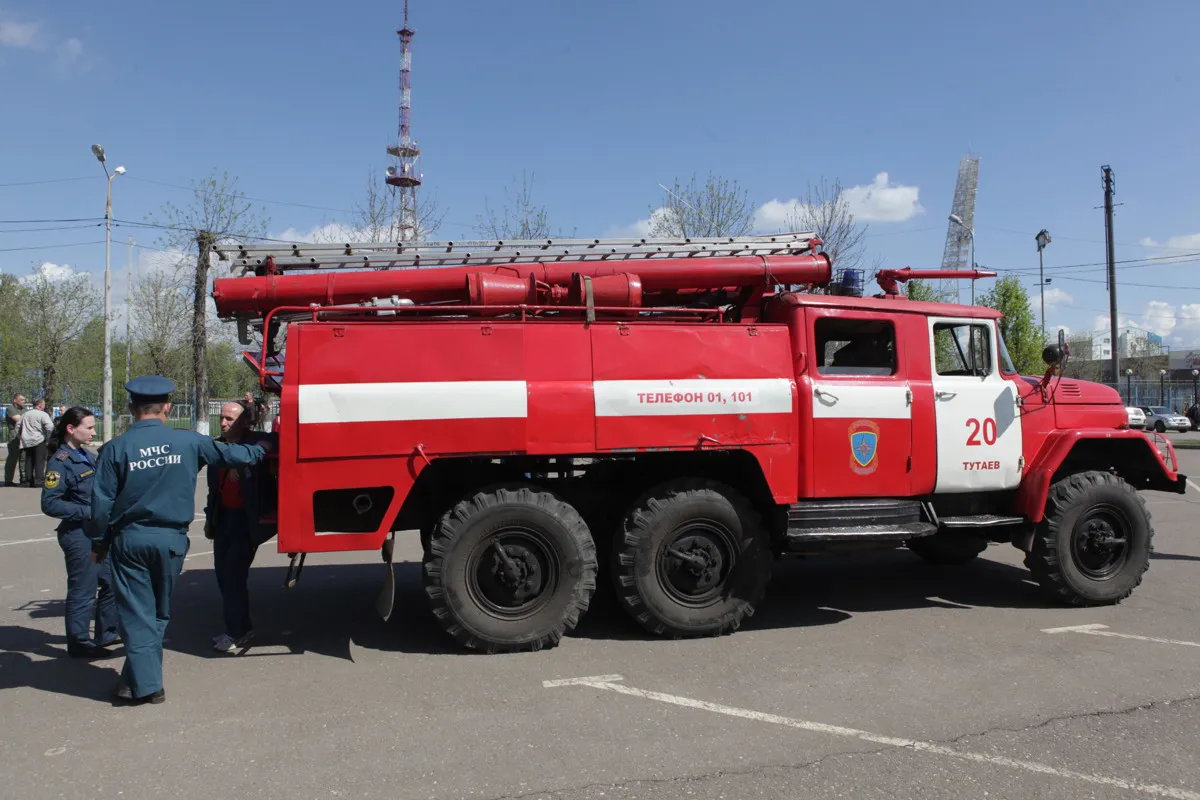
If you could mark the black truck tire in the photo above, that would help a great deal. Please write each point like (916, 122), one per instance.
(1094, 543)
(511, 568)
(948, 548)
(692, 559)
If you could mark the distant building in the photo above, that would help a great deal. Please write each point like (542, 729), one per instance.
(1131, 342)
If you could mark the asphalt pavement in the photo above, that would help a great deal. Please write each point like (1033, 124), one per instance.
(866, 676)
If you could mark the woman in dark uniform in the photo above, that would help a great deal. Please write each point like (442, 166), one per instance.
(67, 495)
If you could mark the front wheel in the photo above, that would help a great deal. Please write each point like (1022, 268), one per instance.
(693, 559)
(1093, 546)
(511, 568)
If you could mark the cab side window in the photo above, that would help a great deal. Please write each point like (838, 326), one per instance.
(855, 347)
(962, 349)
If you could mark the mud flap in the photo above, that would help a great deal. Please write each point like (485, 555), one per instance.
(386, 601)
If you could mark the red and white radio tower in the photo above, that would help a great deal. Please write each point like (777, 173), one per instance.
(407, 174)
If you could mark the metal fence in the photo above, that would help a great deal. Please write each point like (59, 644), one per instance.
(1176, 395)
(181, 414)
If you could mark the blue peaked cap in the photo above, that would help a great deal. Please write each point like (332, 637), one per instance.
(149, 389)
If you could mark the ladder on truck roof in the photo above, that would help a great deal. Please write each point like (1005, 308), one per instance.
(402, 255)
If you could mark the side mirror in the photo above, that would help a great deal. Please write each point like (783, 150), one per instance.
(1062, 340)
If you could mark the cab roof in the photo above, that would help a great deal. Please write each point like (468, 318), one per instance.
(896, 304)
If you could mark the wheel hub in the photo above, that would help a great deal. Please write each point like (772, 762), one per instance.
(1100, 543)
(694, 565)
(512, 573)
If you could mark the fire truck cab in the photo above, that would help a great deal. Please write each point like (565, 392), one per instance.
(669, 434)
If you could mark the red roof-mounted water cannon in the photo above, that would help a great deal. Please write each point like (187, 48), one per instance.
(889, 279)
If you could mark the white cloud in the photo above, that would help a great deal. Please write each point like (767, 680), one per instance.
(638, 229)
(775, 215)
(876, 202)
(1056, 297)
(67, 53)
(1177, 325)
(879, 202)
(332, 232)
(23, 35)
(1176, 244)
(51, 272)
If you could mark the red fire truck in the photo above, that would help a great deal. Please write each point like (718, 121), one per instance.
(667, 416)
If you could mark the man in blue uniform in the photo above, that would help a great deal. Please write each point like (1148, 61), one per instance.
(143, 500)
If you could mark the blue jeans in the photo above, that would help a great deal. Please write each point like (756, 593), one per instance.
(233, 554)
(84, 604)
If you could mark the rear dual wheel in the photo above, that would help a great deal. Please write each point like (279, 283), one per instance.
(693, 559)
(511, 568)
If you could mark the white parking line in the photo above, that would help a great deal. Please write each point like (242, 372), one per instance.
(30, 541)
(608, 683)
(1102, 630)
(1192, 484)
(22, 516)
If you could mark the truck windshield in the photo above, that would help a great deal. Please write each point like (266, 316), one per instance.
(1006, 364)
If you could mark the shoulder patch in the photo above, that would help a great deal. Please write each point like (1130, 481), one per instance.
(52, 479)
(61, 455)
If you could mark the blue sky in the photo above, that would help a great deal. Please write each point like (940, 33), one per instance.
(604, 101)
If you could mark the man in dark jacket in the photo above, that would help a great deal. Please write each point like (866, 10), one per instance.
(239, 516)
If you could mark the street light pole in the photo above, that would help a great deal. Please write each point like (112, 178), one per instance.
(128, 307)
(98, 151)
(1043, 239)
(957, 220)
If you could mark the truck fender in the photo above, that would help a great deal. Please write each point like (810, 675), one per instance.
(1130, 454)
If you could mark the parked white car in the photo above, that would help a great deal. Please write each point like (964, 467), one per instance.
(1163, 419)
(1137, 417)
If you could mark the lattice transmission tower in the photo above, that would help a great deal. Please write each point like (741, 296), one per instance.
(406, 175)
(958, 235)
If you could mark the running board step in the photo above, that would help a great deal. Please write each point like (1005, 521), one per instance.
(980, 521)
(853, 512)
(801, 537)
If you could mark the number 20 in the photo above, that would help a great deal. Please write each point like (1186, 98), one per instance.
(989, 432)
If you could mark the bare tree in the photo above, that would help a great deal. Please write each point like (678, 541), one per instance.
(58, 312)
(521, 218)
(218, 213)
(379, 217)
(159, 308)
(718, 208)
(826, 212)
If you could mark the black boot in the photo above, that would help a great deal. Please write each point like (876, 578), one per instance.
(125, 695)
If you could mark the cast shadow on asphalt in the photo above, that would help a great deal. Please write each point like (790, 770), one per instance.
(34, 658)
(333, 606)
(1173, 557)
(332, 611)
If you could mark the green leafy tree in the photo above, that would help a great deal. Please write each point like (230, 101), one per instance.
(1019, 324)
(16, 354)
(56, 314)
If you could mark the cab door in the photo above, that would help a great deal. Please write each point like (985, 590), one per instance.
(976, 408)
(861, 405)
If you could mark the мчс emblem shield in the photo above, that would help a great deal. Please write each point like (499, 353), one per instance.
(864, 446)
